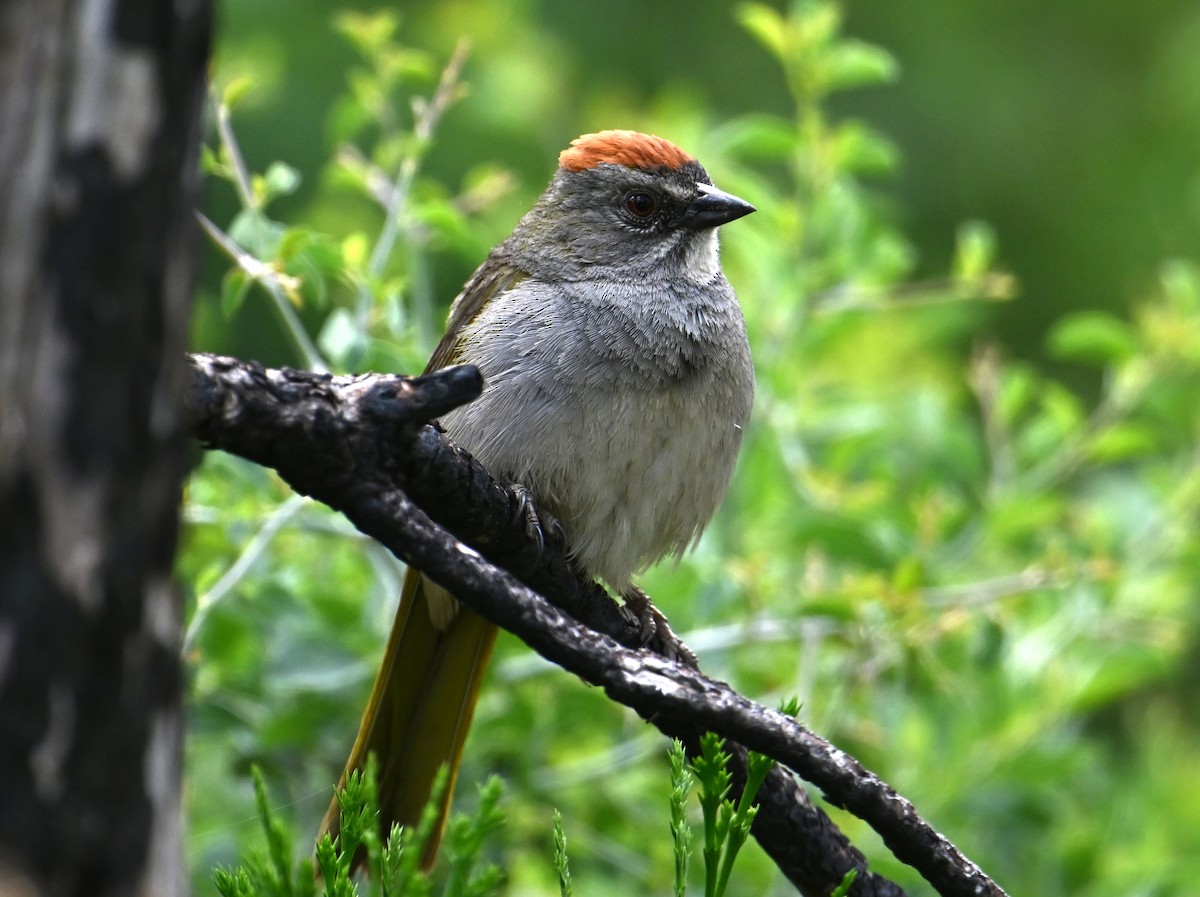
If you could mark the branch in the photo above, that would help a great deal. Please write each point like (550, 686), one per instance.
(360, 444)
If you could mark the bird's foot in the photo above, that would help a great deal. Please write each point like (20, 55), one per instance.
(540, 525)
(655, 628)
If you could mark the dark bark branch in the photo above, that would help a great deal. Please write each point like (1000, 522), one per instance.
(359, 444)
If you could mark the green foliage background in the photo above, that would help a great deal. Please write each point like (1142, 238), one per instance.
(963, 526)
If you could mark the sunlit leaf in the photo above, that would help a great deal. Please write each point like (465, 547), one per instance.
(766, 25)
(256, 233)
(234, 286)
(280, 179)
(855, 64)
(236, 89)
(974, 250)
(759, 137)
(1092, 336)
(1123, 442)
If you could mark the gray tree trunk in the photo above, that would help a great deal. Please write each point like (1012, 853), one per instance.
(99, 108)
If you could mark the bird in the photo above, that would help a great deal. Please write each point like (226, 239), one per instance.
(618, 383)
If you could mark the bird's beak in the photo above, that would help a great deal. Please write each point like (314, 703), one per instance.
(712, 207)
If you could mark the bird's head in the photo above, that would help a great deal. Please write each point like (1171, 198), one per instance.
(626, 204)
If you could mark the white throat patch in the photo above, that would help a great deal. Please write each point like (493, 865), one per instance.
(702, 262)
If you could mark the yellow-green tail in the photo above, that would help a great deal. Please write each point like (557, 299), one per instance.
(420, 707)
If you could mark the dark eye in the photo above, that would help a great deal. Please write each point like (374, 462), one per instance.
(641, 205)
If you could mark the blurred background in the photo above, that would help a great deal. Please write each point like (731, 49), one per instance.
(963, 527)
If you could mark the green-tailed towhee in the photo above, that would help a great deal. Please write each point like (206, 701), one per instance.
(617, 382)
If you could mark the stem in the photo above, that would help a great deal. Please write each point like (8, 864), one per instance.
(427, 117)
(268, 277)
(237, 571)
(241, 174)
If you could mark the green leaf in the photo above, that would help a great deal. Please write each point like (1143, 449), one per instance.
(314, 258)
(766, 25)
(974, 251)
(340, 338)
(1093, 336)
(847, 881)
(815, 25)
(759, 137)
(1122, 442)
(854, 64)
(561, 864)
(356, 249)
(234, 287)
(236, 90)
(256, 233)
(681, 831)
(280, 179)
(790, 706)
(279, 847)
(1019, 387)
(1181, 285)
(211, 163)
(232, 882)
(369, 32)
(1059, 415)
(858, 148)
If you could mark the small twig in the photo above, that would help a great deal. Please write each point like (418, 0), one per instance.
(1116, 404)
(254, 549)
(273, 282)
(262, 272)
(993, 286)
(427, 116)
(987, 591)
(241, 174)
(984, 379)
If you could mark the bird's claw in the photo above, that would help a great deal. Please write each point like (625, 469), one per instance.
(655, 628)
(540, 526)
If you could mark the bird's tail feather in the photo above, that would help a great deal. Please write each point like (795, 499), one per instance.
(420, 707)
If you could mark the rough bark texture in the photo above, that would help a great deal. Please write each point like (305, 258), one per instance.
(358, 444)
(99, 112)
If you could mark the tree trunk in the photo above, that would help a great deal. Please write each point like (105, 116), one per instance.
(99, 109)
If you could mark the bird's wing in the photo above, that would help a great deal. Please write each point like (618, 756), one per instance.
(493, 277)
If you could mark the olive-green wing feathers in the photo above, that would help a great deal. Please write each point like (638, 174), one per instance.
(493, 277)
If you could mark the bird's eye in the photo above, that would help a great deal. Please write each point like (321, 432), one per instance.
(641, 205)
